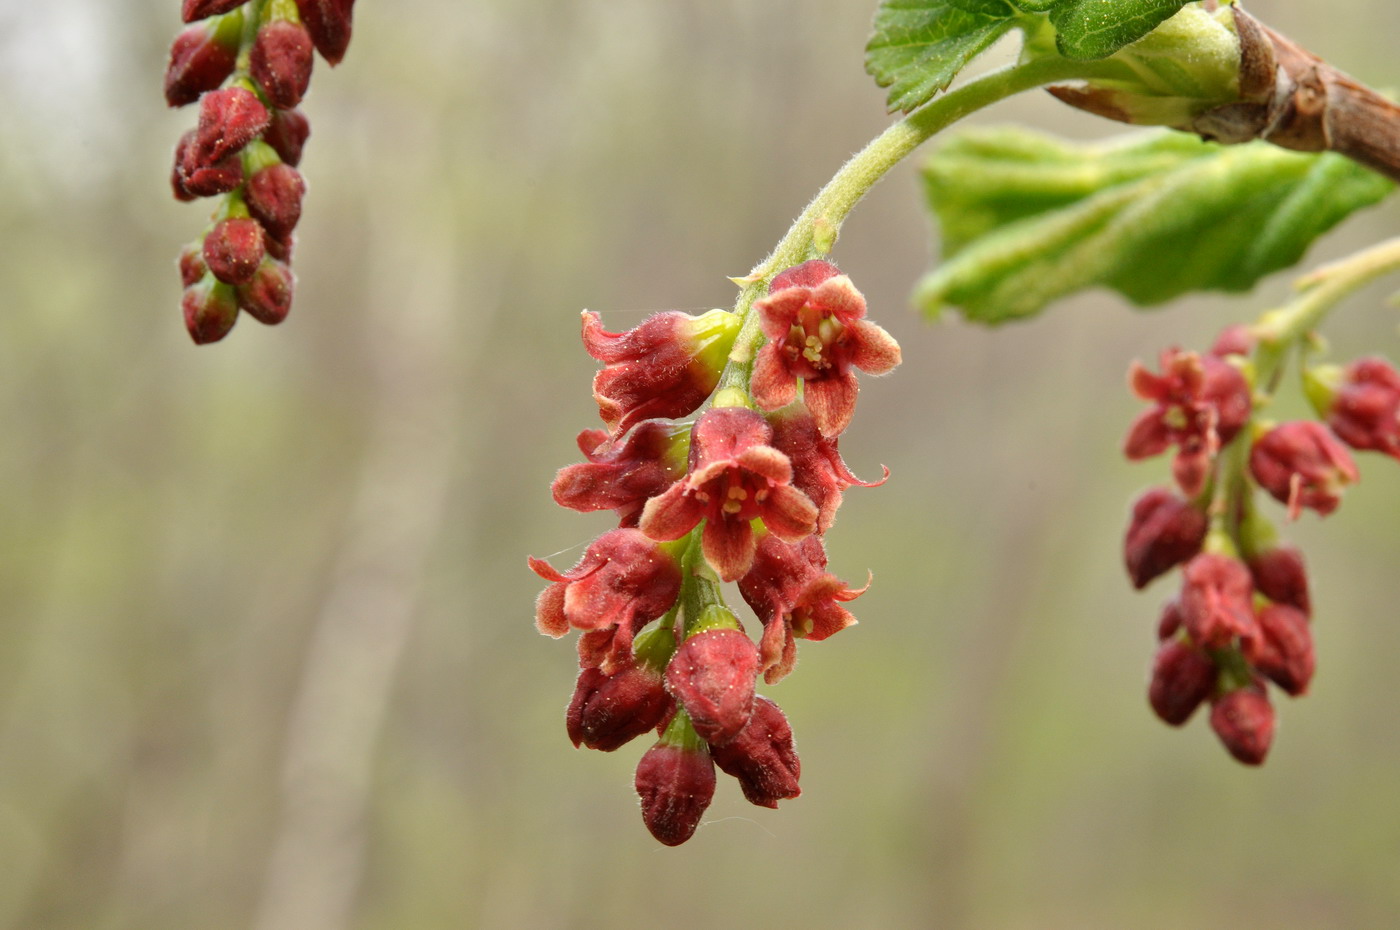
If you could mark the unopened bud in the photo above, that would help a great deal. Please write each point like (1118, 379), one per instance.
(191, 178)
(274, 198)
(1283, 648)
(762, 757)
(1280, 576)
(192, 266)
(280, 62)
(1182, 677)
(234, 249)
(210, 310)
(287, 133)
(201, 58)
(712, 676)
(192, 10)
(329, 23)
(1244, 721)
(608, 711)
(268, 296)
(228, 120)
(1164, 532)
(676, 782)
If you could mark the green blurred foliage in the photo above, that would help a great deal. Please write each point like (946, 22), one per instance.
(268, 655)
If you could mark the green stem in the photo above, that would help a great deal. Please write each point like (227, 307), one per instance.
(815, 230)
(1279, 330)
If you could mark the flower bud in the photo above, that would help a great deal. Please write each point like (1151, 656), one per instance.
(1235, 339)
(210, 310)
(661, 369)
(1365, 411)
(274, 198)
(329, 23)
(280, 61)
(228, 120)
(676, 782)
(1217, 597)
(1302, 465)
(1164, 532)
(201, 58)
(1182, 677)
(608, 711)
(192, 10)
(1282, 649)
(190, 178)
(712, 676)
(1244, 721)
(762, 757)
(192, 266)
(287, 132)
(268, 296)
(1169, 624)
(1280, 576)
(233, 249)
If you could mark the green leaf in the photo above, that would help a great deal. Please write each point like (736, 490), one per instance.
(1087, 30)
(919, 46)
(1027, 218)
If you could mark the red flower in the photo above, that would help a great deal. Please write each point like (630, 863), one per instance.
(762, 757)
(796, 598)
(1244, 722)
(1282, 648)
(712, 677)
(1366, 410)
(735, 477)
(817, 468)
(623, 582)
(623, 472)
(1201, 404)
(1182, 677)
(1217, 600)
(1302, 465)
(814, 319)
(1164, 532)
(664, 368)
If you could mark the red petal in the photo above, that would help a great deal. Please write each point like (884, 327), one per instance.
(832, 401)
(672, 514)
(875, 351)
(549, 611)
(773, 386)
(789, 514)
(729, 547)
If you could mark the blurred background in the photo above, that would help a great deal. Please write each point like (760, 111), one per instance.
(268, 658)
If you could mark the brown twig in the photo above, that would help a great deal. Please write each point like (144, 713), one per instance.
(1294, 99)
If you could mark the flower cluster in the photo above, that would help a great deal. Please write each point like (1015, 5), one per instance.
(248, 64)
(1241, 619)
(745, 493)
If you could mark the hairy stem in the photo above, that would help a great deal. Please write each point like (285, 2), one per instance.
(814, 232)
(1322, 289)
